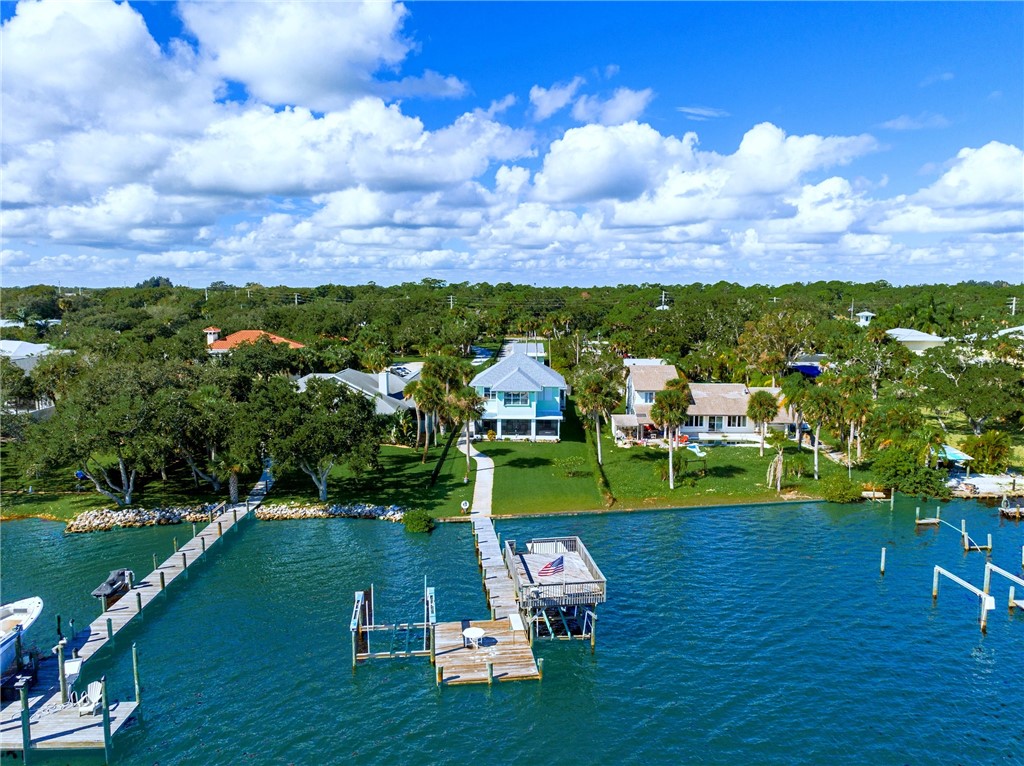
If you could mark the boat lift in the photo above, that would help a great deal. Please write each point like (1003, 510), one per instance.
(401, 638)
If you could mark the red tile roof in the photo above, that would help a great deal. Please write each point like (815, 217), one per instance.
(250, 336)
(212, 329)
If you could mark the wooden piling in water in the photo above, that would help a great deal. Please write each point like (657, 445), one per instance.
(882, 566)
(154, 562)
(26, 726)
(184, 561)
(138, 602)
(490, 673)
(440, 675)
(62, 674)
(202, 542)
(135, 674)
(175, 544)
(108, 744)
(220, 529)
(163, 584)
(540, 668)
(110, 629)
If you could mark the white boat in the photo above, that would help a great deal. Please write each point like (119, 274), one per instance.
(15, 618)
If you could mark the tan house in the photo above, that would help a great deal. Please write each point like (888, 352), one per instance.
(719, 411)
(642, 386)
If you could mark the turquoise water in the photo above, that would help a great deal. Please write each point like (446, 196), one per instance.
(731, 636)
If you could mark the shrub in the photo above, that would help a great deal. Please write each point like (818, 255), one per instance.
(491, 436)
(418, 521)
(991, 451)
(839, 489)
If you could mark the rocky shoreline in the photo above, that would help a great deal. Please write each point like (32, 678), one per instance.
(392, 513)
(108, 518)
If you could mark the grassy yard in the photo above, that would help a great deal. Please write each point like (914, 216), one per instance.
(957, 430)
(54, 494)
(734, 475)
(402, 480)
(544, 477)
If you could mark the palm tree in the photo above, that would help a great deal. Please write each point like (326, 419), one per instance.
(430, 395)
(762, 408)
(795, 391)
(669, 412)
(409, 392)
(597, 395)
(466, 405)
(777, 440)
(817, 407)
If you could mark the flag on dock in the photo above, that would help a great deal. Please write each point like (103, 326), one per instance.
(552, 567)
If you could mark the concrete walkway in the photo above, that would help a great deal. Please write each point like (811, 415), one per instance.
(484, 487)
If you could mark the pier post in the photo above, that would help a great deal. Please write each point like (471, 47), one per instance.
(220, 528)
(131, 580)
(107, 744)
(175, 544)
(154, 562)
(26, 726)
(892, 498)
(988, 579)
(234, 514)
(202, 542)
(990, 543)
(63, 675)
(593, 629)
(935, 585)
(354, 634)
(193, 529)
(163, 584)
(540, 667)
(984, 616)
(440, 676)
(110, 629)
(1011, 598)
(490, 673)
(135, 674)
(917, 514)
(883, 561)
(138, 602)
(184, 561)
(938, 512)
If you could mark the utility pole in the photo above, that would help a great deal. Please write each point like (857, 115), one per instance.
(296, 299)
(451, 302)
(1013, 306)
(851, 309)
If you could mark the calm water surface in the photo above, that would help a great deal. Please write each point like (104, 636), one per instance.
(731, 636)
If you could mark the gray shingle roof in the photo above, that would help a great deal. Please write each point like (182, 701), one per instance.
(518, 372)
(651, 377)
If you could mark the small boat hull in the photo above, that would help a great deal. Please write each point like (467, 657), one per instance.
(15, 618)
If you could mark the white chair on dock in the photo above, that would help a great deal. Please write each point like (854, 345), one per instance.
(92, 699)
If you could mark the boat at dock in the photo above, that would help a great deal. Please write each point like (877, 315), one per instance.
(15, 618)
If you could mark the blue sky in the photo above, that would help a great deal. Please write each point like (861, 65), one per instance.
(568, 143)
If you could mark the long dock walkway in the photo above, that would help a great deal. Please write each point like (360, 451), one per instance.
(58, 726)
(501, 592)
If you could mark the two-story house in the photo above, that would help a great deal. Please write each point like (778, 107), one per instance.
(642, 385)
(523, 399)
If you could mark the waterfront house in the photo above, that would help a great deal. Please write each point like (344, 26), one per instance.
(523, 399)
(719, 412)
(384, 389)
(642, 386)
(217, 345)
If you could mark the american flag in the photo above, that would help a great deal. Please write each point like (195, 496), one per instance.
(552, 567)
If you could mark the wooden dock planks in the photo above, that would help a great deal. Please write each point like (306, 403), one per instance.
(507, 650)
(501, 592)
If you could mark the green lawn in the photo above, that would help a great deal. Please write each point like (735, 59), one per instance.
(402, 480)
(957, 430)
(54, 493)
(535, 477)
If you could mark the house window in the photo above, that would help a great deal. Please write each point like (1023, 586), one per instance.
(489, 395)
(714, 423)
(647, 397)
(694, 421)
(737, 421)
(517, 398)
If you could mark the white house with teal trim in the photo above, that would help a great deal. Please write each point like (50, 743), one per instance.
(523, 399)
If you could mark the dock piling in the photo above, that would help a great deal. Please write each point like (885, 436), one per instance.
(163, 583)
(184, 561)
(202, 542)
(175, 544)
(63, 675)
(540, 668)
(138, 602)
(220, 529)
(135, 674)
(490, 673)
(107, 742)
(883, 561)
(154, 562)
(26, 726)
(110, 629)
(440, 676)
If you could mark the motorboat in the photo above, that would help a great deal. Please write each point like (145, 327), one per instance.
(15, 618)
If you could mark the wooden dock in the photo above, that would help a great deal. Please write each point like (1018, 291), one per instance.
(505, 649)
(498, 585)
(56, 725)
